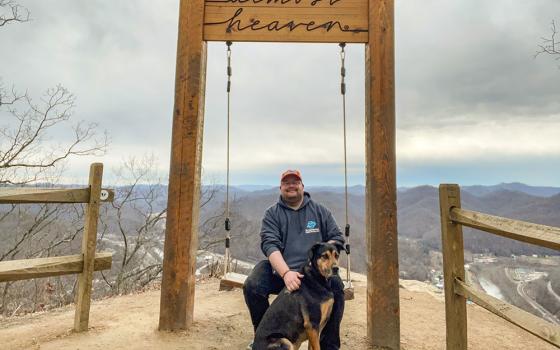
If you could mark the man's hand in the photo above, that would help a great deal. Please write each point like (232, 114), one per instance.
(292, 280)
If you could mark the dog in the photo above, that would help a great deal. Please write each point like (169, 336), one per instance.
(297, 316)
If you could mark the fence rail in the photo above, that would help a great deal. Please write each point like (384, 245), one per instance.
(542, 235)
(457, 291)
(17, 270)
(50, 195)
(82, 264)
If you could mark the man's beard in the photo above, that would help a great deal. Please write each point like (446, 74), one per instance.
(293, 199)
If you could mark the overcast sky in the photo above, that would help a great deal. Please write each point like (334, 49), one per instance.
(473, 104)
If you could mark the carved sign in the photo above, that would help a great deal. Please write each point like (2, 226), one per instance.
(286, 20)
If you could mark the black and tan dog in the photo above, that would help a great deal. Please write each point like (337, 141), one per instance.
(301, 315)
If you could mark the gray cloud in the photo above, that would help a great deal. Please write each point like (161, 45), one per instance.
(457, 58)
(458, 64)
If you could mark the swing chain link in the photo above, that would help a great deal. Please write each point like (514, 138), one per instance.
(228, 43)
(342, 69)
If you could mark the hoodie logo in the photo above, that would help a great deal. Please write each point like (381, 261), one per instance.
(311, 227)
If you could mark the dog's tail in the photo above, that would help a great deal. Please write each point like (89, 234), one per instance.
(277, 342)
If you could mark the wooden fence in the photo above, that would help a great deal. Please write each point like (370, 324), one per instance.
(83, 264)
(457, 291)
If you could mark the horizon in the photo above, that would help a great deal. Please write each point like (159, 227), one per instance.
(259, 187)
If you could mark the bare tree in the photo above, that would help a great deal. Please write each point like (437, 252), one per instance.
(134, 225)
(27, 149)
(550, 45)
(37, 137)
(10, 12)
(28, 127)
(39, 231)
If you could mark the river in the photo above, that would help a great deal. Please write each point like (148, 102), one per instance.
(491, 288)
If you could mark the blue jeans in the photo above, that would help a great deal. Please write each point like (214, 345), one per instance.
(262, 282)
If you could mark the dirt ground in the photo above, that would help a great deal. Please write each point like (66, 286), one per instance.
(222, 322)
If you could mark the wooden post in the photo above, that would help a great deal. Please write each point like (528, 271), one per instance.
(179, 261)
(453, 267)
(383, 323)
(89, 241)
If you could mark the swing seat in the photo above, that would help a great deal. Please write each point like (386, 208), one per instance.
(233, 280)
(348, 290)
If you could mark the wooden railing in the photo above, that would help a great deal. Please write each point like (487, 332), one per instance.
(83, 264)
(457, 291)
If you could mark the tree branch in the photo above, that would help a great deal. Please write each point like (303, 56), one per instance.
(13, 12)
(550, 46)
(27, 151)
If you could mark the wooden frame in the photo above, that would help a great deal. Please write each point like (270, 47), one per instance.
(286, 20)
(457, 290)
(177, 291)
(83, 264)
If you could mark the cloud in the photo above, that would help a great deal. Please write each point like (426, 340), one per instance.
(457, 58)
(467, 85)
(486, 140)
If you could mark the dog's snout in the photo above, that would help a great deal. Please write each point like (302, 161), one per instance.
(335, 269)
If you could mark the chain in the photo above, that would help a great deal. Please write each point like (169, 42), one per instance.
(227, 223)
(343, 93)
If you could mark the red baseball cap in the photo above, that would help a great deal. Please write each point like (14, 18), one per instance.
(287, 173)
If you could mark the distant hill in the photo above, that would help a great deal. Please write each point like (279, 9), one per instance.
(476, 190)
(418, 218)
(539, 191)
(418, 221)
(418, 212)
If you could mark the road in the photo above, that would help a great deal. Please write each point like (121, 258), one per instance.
(552, 292)
(521, 285)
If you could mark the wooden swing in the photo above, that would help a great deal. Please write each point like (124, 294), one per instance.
(232, 280)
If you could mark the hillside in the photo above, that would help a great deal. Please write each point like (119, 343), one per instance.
(419, 226)
(222, 322)
(418, 215)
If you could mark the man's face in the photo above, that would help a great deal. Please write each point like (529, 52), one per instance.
(291, 189)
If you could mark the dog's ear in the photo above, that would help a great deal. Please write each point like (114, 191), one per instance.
(313, 250)
(339, 246)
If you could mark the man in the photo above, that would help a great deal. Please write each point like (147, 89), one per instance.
(289, 229)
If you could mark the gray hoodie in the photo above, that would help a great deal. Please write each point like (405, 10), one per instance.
(293, 232)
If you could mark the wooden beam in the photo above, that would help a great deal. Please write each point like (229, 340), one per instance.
(453, 268)
(541, 235)
(49, 195)
(383, 323)
(16, 270)
(179, 261)
(529, 322)
(287, 21)
(89, 241)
